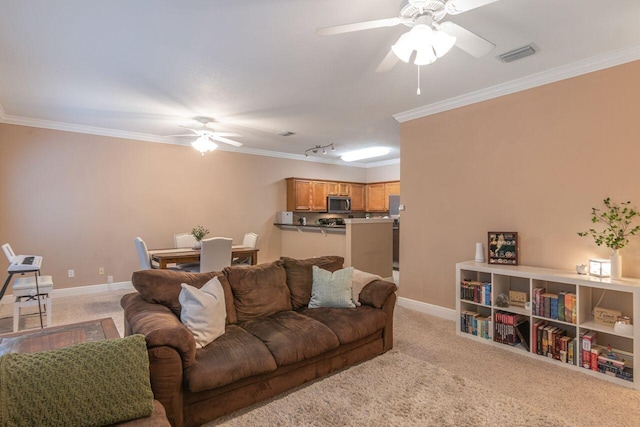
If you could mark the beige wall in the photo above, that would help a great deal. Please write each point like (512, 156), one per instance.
(534, 162)
(79, 200)
(384, 173)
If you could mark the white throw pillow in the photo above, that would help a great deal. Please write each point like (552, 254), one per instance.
(203, 311)
(359, 280)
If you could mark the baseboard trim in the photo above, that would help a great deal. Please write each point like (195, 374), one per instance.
(82, 290)
(424, 307)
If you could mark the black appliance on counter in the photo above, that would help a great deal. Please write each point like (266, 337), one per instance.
(330, 222)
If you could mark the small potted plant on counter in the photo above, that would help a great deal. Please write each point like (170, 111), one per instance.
(618, 220)
(199, 233)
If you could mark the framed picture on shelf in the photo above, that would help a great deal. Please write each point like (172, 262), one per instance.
(503, 247)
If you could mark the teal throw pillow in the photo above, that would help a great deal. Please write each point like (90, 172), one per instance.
(331, 289)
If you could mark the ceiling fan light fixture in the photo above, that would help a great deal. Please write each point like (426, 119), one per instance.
(403, 47)
(204, 144)
(442, 43)
(365, 153)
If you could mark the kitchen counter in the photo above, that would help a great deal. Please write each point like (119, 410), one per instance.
(340, 229)
(366, 244)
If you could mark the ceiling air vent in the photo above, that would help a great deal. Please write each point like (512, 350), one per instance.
(286, 133)
(519, 53)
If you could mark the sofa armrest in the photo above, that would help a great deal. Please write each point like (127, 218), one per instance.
(160, 326)
(375, 293)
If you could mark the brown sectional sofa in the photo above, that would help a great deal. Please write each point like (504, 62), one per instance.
(272, 341)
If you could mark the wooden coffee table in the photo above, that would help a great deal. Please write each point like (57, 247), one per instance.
(58, 336)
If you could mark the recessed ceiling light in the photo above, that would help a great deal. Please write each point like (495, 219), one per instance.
(365, 153)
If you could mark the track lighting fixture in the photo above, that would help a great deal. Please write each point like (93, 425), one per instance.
(315, 149)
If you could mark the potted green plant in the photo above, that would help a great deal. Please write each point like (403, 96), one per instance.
(199, 233)
(618, 221)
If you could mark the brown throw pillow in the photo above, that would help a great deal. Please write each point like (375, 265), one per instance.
(259, 290)
(300, 276)
(164, 286)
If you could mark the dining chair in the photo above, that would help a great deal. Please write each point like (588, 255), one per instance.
(143, 254)
(250, 240)
(215, 255)
(184, 240)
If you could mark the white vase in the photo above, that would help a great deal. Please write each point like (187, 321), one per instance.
(197, 244)
(616, 264)
(479, 253)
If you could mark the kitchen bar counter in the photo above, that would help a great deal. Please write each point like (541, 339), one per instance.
(366, 244)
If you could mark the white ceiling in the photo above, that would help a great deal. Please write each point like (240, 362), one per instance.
(147, 67)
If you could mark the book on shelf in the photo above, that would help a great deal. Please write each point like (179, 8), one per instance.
(616, 363)
(475, 291)
(561, 301)
(510, 328)
(587, 341)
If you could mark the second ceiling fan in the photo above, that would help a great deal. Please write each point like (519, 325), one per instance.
(428, 37)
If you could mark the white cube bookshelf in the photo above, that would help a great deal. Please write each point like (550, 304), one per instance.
(621, 295)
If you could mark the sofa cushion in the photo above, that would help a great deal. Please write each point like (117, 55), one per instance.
(163, 287)
(300, 276)
(235, 355)
(259, 290)
(292, 337)
(94, 383)
(349, 324)
(331, 289)
(203, 311)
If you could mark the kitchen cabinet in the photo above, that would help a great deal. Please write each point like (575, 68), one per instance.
(389, 189)
(378, 195)
(318, 196)
(305, 195)
(375, 197)
(337, 188)
(357, 194)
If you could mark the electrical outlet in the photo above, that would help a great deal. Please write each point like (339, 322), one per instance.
(71, 273)
(100, 270)
(109, 279)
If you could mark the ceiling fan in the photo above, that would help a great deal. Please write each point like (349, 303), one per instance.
(428, 37)
(206, 136)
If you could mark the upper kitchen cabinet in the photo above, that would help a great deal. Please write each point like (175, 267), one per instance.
(378, 195)
(375, 197)
(337, 188)
(389, 189)
(357, 194)
(306, 195)
(318, 196)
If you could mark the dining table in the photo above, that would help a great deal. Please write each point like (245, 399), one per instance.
(164, 257)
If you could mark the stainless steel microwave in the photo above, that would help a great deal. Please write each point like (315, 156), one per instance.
(338, 204)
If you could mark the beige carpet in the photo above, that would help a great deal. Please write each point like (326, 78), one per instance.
(426, 351)
(392, 390)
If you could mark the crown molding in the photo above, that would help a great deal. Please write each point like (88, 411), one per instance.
(589, 65)
(137, 136)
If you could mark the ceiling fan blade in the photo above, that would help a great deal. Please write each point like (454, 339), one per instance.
(454, 7)
(226, 141)
(388, 62)
(188, 128)
(358, 26)
(232, 134)
(468, 41)
(186, 134)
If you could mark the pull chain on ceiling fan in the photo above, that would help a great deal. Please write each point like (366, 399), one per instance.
(429, 38)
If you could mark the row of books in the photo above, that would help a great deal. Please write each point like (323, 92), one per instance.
(511, 329)
(561, 306)
(616, 363)
(475, 324)
(478, 292)
(553, 342)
